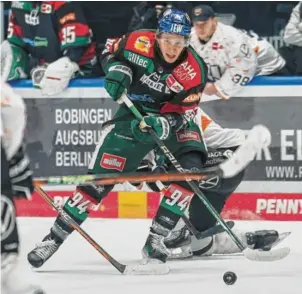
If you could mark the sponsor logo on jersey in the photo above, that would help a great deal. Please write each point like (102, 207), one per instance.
(192, 98)
(137, 59)
(67, 17)
(32, 18)
(46, 8)
(153, 81)
(185, 72)
(216, 46)
(143, 44)
(17, 4)
(110, 161)
(184, 136)
(174, 85)
(142, 98)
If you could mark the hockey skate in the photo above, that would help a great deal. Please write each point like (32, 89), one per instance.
(44, 250)
(264, 239)
(179, 244)
(154, 253)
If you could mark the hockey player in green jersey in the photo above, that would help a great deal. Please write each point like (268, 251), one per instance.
(164, 78)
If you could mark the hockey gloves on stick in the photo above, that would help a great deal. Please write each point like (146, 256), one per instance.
(117, 80)
(158, 123)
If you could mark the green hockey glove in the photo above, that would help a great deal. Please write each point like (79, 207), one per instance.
(117, 80)
(158, 123)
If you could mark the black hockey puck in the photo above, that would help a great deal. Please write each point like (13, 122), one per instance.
(229, 278)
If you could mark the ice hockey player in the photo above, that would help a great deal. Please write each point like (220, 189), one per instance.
(164, 78)
(233, 56)
(48, 41)
(16, 181)
(221, 143)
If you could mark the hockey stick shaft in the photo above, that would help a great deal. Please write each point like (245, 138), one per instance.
(178, 167)
(70, 222)
(119, 178)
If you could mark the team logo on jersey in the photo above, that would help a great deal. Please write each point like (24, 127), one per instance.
(143, 44)
(110, 161)
(174, 85)
(184, 136)
(153, 81)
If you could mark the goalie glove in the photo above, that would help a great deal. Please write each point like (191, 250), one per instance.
(57, 76)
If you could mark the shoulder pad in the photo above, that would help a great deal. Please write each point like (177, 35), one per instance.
(141, 42)
(191, 72)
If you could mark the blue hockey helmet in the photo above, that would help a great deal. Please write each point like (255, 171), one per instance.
(174, 21)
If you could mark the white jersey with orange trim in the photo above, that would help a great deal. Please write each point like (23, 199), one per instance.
(215, 136)
(230, 57)
(269, 60)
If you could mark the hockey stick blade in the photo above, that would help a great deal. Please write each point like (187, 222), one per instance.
(272, 255)
(147, 269)
(258, 138)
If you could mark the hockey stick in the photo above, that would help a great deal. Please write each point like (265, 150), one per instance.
(120, 178)
(217, 229)
(122, 268)
(259, 136)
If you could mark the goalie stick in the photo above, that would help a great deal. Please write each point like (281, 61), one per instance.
(258, 137)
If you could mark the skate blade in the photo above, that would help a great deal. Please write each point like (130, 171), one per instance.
(281, 237)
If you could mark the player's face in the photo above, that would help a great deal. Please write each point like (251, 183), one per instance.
(205, 29)
(171, 46)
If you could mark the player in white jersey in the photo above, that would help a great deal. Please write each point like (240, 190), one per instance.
(233, 56)
(16, 181)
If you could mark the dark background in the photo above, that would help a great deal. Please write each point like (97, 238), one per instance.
(112, 18)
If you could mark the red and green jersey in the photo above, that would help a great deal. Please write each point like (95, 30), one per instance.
(158, 86)
(45, 29)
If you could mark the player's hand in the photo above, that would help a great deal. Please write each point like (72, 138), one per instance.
(57, 76)
(158, 123)
(118, 80)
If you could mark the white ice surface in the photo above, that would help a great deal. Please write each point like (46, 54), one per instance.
(78, 268)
